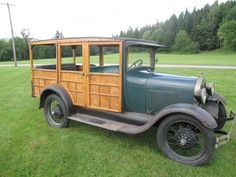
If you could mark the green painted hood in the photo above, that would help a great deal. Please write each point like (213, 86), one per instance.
(148, 92)
(166, 89)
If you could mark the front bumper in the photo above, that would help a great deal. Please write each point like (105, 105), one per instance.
(224, 136)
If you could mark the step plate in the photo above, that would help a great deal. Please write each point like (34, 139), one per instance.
(100, 122)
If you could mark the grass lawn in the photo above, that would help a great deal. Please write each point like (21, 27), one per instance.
(217, 57)
(30, 147)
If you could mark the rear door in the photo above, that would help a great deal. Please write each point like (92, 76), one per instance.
(71, 71)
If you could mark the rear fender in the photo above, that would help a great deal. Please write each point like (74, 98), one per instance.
(61, 92)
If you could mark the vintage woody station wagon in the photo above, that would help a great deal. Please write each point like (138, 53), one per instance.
(111, 83)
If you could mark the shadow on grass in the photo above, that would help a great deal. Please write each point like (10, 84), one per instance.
(146, 139)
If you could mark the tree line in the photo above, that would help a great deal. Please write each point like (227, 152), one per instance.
(22, 47)
(208, 28)
(6, 49)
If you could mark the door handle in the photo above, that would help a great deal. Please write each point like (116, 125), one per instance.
(83, 74)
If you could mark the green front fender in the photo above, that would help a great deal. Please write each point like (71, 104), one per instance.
(197, 112)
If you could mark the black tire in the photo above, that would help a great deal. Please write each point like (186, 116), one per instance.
(55, 111)
(179, 137)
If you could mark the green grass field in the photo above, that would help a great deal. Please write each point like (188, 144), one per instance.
(217, 57)
(30, 147)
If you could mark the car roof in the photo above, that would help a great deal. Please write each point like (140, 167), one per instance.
(127, 41)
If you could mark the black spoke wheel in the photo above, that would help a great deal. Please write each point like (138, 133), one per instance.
(184, 139)
(55, 111)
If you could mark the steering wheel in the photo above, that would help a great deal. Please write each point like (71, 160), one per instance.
(137, 63)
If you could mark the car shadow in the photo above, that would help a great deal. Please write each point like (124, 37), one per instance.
(146, 139)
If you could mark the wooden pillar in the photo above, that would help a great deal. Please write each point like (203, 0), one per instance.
(31, 68)
(101, 56)
(73, 54)
(58, 56)
(31, 55)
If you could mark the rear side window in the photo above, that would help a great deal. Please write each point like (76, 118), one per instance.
(44, 56)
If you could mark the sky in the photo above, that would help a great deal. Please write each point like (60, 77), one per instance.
(78, 18)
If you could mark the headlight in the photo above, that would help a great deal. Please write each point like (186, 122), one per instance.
(200, 83)
(201, 95)
(210, 88)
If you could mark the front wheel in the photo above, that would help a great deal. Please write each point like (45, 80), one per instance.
(55, 111)
(184, 139)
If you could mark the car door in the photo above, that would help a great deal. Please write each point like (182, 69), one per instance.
(104, 81)
(71, 74)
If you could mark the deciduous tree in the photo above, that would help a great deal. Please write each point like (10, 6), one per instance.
(183, 44)
(227, 33)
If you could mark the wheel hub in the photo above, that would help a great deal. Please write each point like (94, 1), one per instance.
(186, 138)
(183, 142)
(57, 111)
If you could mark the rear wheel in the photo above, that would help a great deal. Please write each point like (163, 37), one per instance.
(55, 111)
(184, 139)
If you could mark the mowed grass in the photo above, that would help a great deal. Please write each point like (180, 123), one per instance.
(30, 147)
(217, 57)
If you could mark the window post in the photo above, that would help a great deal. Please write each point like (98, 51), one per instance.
(101, 56)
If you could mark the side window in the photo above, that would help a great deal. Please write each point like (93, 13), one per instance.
(44, 57)
(104, 58)
(71, 58)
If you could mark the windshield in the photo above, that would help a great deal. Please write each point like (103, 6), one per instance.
(141, 56)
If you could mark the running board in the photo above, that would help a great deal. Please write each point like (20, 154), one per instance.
(103, 123)
(125, 117)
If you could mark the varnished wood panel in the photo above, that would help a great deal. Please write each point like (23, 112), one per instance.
(104, 79)
(104, 91)
(104, 102)
(41, 79)
(74, 82)
(114, 90)
(114, 103)
(94, 101)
